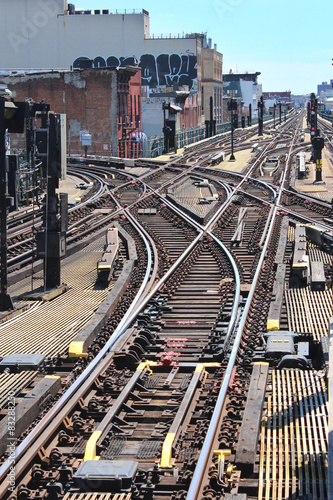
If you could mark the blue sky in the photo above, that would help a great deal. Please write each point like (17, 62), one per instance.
(288, 41)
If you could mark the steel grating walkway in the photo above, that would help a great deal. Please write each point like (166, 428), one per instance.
(49, 327)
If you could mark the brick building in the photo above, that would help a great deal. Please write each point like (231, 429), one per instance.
(104, 102)
(212, 84)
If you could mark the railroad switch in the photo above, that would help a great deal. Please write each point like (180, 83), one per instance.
(221, 454)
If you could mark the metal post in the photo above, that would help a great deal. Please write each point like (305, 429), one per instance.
(165, 131)
(274, 109)
(232, 156)
(211, 116)
(260, 116)
(5, 299)
(316, 116)
(318, 145)
(319, 169)
(69, 141)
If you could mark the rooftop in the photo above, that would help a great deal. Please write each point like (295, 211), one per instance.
(96, 12)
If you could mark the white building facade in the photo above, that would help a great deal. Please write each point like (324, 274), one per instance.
(42, 34)
(51, 34)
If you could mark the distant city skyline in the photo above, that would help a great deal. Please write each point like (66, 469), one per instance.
(282, 40)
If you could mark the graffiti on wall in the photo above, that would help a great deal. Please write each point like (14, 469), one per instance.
(162, 70)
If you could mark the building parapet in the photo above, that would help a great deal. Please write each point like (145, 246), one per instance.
(106, 12)
(173, 35)
(22, 71)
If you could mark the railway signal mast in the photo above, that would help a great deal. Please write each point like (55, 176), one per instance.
(51, 239)
(232, 106)
(5, 299)
(11, 120)
(316, 140)
(261, 116)
(211, 123)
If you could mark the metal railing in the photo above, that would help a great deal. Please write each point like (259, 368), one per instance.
(108, 11)
(326, 116)
(173, 35)
(154, 145)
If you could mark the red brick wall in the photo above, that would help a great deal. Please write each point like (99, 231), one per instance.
(135, 118)
(130, 123)
(189, 115)
(84, 96)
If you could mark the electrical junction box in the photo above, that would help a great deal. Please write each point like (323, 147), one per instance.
(15, 363)
(86, 139)
(106, 475)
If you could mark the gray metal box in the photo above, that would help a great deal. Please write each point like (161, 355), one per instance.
(279, 343)
(106, 475)
(21, 362)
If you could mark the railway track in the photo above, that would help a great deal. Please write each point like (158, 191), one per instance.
(181, 395)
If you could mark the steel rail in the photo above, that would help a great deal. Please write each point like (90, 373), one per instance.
(153, 273)
(82, 378)
(26, 226)
(30, 440)
(287, 210)
(206, 230)
(17, 259)
(195, 486)
(307, 196)
(37, 435)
